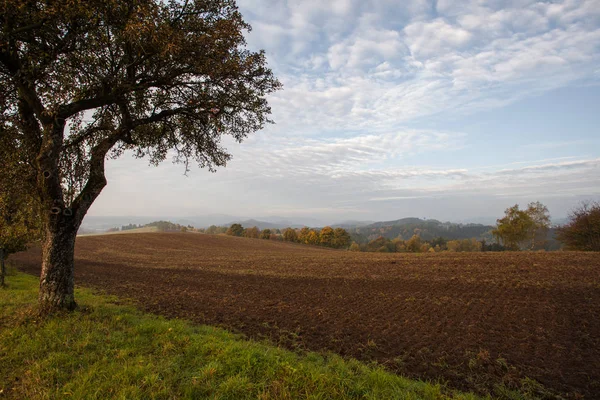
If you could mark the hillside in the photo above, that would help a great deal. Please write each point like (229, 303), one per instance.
(427, 229)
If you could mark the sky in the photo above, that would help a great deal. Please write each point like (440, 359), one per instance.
(453, 110)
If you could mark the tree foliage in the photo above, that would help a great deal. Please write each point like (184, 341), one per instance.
(235, 230)
(252, 233)
(341, 238)
(540, 216)
(166, 226)
(519, 226)
(290, 235)
(326, 236)
(215, 230)
(582, 232)
(19, 212)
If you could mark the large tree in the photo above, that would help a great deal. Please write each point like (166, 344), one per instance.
(515, 228)
(83, 80)
(519, 226)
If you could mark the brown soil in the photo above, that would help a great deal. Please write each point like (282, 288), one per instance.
(473, 320)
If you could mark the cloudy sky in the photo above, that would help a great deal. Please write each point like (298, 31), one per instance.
(443, 109)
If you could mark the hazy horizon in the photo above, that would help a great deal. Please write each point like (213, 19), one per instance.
(102, 223)
(452, 111)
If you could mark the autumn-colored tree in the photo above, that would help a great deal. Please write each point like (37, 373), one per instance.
(582, 232)
(540, 216)
(235, 230)
(515, 228)
(354, 247)
(399, 245)
(413, 245)
(290, 235)
(265, 234)
(341, 238)
(326, 236)
(253, 233)
(303, 235)
(81, 81)
(378, 243)
(211, 230)
(313, 237)
(275, 236)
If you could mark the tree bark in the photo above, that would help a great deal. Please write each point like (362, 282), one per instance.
(57, 277)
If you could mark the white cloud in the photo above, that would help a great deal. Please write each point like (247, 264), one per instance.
(428, 39)
(346, 65)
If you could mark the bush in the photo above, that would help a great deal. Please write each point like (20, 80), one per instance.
(583, 230)
(354, 247)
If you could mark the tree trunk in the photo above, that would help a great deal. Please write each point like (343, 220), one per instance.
(57, 277)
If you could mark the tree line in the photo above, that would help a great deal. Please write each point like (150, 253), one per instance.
(161, 226)
(327, 236)
(416, 244)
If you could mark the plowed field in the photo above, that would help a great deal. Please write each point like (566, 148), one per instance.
(473, 320)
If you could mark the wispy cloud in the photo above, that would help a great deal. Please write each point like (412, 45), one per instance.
(360, 68)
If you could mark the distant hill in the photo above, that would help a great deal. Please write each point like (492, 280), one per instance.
(145, 229)
(97, 224)
(249, 223)
(352, 224)
(426, 229)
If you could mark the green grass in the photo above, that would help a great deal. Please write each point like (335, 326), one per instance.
(106, 350)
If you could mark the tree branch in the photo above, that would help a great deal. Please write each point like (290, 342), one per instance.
(23, 84)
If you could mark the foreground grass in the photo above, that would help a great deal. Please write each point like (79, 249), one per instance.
(107, 350)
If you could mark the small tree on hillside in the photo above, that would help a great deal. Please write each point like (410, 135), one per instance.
(290, 235)
(379, 243)
(253, 232)
(235, 230)
(583, 230)
(354, 247)
(303, 235)
(326, 236)
(341, 238)
(313, 237)
(413, 245)
(265, 234)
